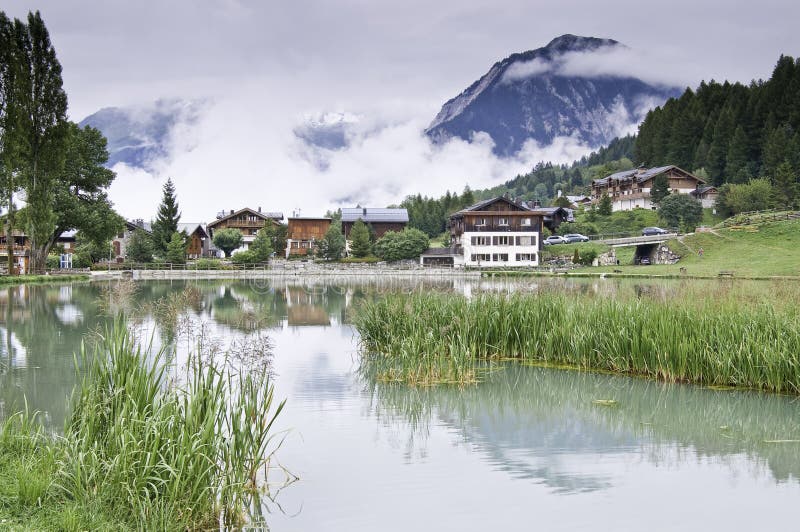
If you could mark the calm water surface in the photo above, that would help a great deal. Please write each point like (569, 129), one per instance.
(525, 449)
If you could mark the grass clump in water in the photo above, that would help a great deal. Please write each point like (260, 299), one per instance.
(140, 451)
(718, 341)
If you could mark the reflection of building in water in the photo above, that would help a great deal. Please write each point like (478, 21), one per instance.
(306, 306)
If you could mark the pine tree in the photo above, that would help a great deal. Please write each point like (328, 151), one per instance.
(786, 186)
(167, 219)
(261, 247)
(737, 157)
(360, 245)
(332, 246)
(176, 249)
(140, 247)
(604, 208)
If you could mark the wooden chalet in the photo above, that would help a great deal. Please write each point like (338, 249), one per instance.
(707, 195)
(630, 189)
(246, 220)
(199, 241)
(303, 233)
(495, 232)
(380, 220)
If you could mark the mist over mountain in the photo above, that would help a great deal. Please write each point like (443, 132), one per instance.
(579, 87)
(140, 136)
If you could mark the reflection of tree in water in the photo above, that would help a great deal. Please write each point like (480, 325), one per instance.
(42, 327)
(527, 419)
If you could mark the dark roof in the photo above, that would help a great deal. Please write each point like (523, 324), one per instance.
(138, 224)
(309, 218)
(702, 190)
(640, 175)
(374, 215)
(485, 203)
(264, 215)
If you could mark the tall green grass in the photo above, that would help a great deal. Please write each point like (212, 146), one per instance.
(151, 446)
(428, 338)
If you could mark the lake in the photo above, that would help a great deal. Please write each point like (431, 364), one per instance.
(526, 448)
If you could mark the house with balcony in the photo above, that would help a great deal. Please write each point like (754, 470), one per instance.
(20, 250)
(498, 232)
(630, 189)
(303, 233)
(248, 221)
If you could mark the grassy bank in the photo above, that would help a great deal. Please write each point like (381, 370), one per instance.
(767, 250)
(6, 280)
(141, 452)
(435, 338)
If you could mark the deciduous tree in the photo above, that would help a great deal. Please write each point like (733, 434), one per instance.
(681, 210)
(227, 240)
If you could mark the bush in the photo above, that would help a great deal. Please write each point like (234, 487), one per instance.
(208, 264)
(408, 244)
(53, 262)
(356, 260)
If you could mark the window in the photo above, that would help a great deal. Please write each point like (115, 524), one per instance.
(526, 222)
(481, 222)
(305, 244)
(500, 257)
(502, 221)
(503, 240)
(525, 241)
(526, 257)
(481, 257)
(481, 241)
(295, 245)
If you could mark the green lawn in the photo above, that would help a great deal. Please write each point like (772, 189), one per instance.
(772, 249)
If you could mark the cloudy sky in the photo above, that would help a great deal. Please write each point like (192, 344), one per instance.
(264, 66)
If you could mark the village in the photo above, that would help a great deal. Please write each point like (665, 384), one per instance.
(495, 232)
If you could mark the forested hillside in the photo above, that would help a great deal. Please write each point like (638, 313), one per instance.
(734, 132)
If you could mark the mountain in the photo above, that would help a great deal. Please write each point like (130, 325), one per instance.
(568, 88)
(140, 135)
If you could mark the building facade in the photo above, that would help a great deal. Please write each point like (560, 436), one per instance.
(199, 242)
(498, 232)
(630, 189)
(303, 233)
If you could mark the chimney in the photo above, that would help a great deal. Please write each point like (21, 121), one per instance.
(259, 208)
(641, 169)
(231, 211)
(364, 211)
(536, 204)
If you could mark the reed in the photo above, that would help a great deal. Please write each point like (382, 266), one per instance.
(715, 341)
(151, 446)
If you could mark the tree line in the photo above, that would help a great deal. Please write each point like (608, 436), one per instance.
(731, 133)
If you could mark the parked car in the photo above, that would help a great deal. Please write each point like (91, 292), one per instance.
(650, 231)
(576, 237)
(555, 239)
(644, 261)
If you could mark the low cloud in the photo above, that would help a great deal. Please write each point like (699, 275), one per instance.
(238, 155)
(608, 61)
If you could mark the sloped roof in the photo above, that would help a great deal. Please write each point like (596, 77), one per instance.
(191, 227)
(264, 215)
(481, 205)
(375, 215)
(132, 226)
(641, 175)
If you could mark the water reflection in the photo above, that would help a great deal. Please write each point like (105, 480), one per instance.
(535, 425)
(527, 421)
